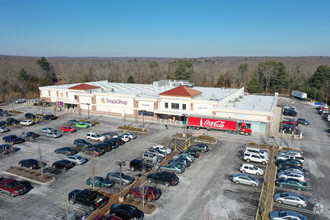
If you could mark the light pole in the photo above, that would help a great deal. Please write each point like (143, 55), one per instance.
(184, 123)
(120, 164)
(88, 104)
(12, 104)
(143, 112)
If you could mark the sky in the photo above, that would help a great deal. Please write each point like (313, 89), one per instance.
(164, 28)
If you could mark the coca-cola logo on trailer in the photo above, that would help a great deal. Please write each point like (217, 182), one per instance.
(214, 124)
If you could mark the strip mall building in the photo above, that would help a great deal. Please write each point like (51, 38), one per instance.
(164, 101)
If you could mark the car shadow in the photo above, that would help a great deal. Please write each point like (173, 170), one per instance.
(27, 185)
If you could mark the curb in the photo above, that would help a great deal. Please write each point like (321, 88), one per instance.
(35, 181)
(154, 212)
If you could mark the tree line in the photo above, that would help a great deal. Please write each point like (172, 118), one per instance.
(21, 76)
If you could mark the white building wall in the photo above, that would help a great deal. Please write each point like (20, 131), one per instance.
(187, 101)
(203, 109)
(71, 96)
(115, 104)
(145, 105)
(44, 93)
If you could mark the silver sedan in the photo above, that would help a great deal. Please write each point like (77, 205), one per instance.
(76, 159)
(53, 134)
(291, 199)
(245, 179)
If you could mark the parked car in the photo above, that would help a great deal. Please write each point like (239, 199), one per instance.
(95, 137)
(103, 146)
(162, 148)
(251, 169)
(115, 177)
(130, 135)
(186, 156)
(138, 165)
(90, 124)
(12, 121)
(151, 157)
(302, 121)
(286, 156)
(99, 182)
(148, 192)
(3, 123)
(119, 141)
(66, 151)
(91, 199)
(159, 153)
(290, 121)
(252, 150)
(283, 215)
(5, 149)
(63, 164)
(17, 101)
(47, 130)
(30, 163)
(289, 162)
(255, 158)
(68, 129)
(165, 178)
(126, 211)
(26, 122)
(125, 138)
(4, 113)
(172, 168)
(291, 199)
(182, 161)
(13, 139)
(3, 129)
(291, 183)
(72, 122)
(93, 151)
(30, 116)
(292, 168)
(200, 147)
(193, 153)
(53, 134)
(82, 125)
(30, 134)
(245, 179)
(12, 186)
(76, 159)
(49, 117)
(109, 135)
(290, 113)
(112, 143)
(292, 174)
(82, 143)
(292, 152)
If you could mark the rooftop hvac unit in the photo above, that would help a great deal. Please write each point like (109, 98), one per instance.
(236, 99)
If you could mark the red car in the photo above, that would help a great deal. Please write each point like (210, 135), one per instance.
(12, 186)
(150, 193)
(68, 129)
(290, 122)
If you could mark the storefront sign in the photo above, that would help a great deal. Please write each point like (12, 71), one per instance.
(212, 123)
(114, 101)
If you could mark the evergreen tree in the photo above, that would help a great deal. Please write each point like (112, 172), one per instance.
(184, 70)
(254, 86)
(130, 79)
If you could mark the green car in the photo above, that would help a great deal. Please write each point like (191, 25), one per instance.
(291, 183)
(99, 182)
(82, 125)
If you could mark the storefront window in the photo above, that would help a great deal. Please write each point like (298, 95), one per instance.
(166, 104)
(146, 113)
(175, 106)
(183, 106)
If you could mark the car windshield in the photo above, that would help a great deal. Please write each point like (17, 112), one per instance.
(262, 156)
(282, 214)
(302, 198)
(14, 184)
(98, 135)
(255, 168)
(123, 175)
(131, 210)
(284, 194)
(79, 157)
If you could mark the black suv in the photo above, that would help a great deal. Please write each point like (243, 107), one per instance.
(5, 149)
(50, 117)
(63, 164)
(91, 199)
(82, 143)
(125, 211)
(290, 112)
(12, 121)
(66, 151)
(30, 134)
(30, 163)
(13, 139)
(112, 143)
(119, 141)
(137, 164)
(103, 146)
(168, 179)
(30, 116)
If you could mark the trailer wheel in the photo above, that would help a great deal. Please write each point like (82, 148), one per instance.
(246, 134)
(229, 132)
(235, 132)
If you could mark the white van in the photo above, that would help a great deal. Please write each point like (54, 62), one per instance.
(253, 150)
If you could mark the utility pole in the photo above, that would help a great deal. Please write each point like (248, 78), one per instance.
(88, 104)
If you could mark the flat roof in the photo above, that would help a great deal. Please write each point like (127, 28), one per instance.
(248, 102)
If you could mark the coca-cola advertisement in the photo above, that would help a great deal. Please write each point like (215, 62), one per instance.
(212, 123)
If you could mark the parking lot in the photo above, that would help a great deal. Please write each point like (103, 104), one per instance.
(205, 189)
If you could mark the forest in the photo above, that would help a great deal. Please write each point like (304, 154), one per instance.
(20, 77)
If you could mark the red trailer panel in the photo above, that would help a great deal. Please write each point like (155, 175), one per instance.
(212, 123)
